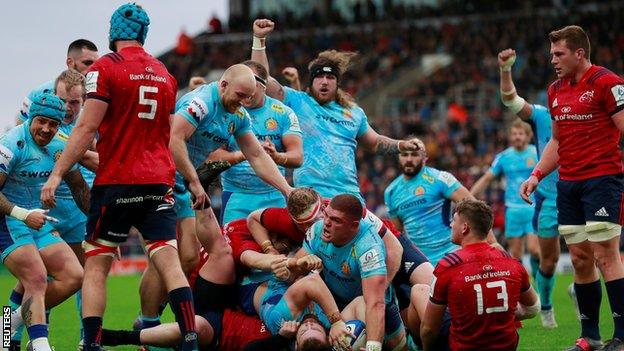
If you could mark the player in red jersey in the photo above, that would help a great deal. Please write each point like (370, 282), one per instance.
(586, 103)
(130, 98)
(485, 289)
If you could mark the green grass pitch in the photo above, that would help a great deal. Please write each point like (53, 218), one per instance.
(123, 306)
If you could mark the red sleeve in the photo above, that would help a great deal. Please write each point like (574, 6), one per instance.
(241, 242)
(277, 221)
(97, 81)
(439, 285)
(611, 93)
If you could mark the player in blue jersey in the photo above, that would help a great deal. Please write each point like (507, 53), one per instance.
(81, 54)
(419, 203)
(31, 249)
(276, 127)
(515, 163)
(546, 196)
(69, 86)
(354, 264)
(331, 122)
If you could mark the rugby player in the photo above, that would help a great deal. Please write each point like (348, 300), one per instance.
(586, 103)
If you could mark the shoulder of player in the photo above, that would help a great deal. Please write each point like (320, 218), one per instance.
(450, 260)
(555, 86)
(394, 185)
(603, 76)
(109, 59)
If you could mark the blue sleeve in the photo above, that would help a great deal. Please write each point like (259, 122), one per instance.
(497, 165)
(243, 125)
(363, 124)
(309, 243)
(447, 183)
(392, 210)
(373, 261)
(292, 96)
(9, 153)
(193, 107)
(290, 123)
(539, 113)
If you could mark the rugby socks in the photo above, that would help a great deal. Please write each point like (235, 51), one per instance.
(615, 291)
(589, 297)
(149, 322)
(38, 333)
(534, 260)
(121, 337)
(79, 308)
(92, 333)
(15, 301)
(545, 284)
(181, 302)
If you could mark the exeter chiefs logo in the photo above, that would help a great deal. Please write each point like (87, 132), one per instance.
(57, 155)
(271, 124)
(419, 191)
(345, 268)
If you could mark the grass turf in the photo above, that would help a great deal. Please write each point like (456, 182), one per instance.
(123, 306)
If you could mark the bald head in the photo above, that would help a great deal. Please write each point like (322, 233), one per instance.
(236, 85)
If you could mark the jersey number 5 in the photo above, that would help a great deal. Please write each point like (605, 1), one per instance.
(500, 296)
(153, 104)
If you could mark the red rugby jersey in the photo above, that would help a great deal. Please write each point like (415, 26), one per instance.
(481, 286)
(133, 138)
(588, 138)
(239, 329)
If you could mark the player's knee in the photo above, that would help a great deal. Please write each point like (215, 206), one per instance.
(548, 265)
(189, 262)
(35, 283)
(583, 262)
(202, 327)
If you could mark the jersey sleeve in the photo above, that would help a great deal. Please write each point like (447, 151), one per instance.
(612, 93)
(447, 183)
(8, 155)
(438, 293)
(291, 123)
(538, 113)
(364, 126)
(98, 84)
(193, 108)
(292, 97)
(241, 243)
(373, 261)
(497, 165)
(309, 244)
(244, 123)
(277, 221)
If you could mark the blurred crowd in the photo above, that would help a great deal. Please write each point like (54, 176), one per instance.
(458, 139)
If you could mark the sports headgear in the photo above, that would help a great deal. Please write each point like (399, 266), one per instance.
(128, 22)
(317, 70)
(47, 105)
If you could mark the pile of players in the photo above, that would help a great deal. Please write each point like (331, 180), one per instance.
(294, 265)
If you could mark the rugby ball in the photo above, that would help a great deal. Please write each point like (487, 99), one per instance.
(357, 328)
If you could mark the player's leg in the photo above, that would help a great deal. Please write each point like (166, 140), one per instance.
(549, 254)
(220, 253)
(162, 335)
(394, 338)
(603, 204)
(586, 282)
(62, 264)
(158, 228)
(152, 293)
(418, 304)
(188, 245)
(514, 232)
(15, 298)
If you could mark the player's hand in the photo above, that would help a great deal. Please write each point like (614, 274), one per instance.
(269, 147)
(194, 82)
(200, 197)
(309, 263)
(339, 336)
(506, 59)
(37, 218)
(527, 188)
(289, 329)
(414, 144)
(47, 191)
(290, 74)
(262, 27)
(280, 269)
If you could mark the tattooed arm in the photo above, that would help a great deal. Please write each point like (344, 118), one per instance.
(79, 189)
(381, 144)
